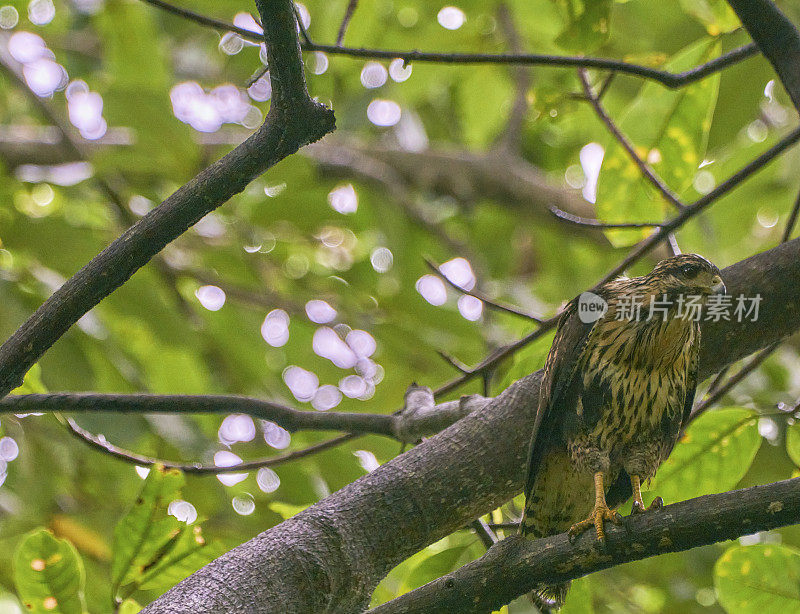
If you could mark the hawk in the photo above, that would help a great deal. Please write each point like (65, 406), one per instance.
(617, 388)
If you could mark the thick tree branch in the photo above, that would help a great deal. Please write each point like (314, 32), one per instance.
(329, 557)
(515, 566)
(294, 120)
(776, 37)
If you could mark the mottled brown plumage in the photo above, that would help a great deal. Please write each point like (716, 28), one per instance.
(614, 396)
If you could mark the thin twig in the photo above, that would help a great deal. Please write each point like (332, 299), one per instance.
(453, 362)
(503, 525)
(666, 78)
(672, 240)
(348, 15)
(787, 232)
(294, 120)
(494, 304)
(612, 127)
(718, 379)
(484, 533)
(510, 139)
(722, 390)
(578, 220)
(99, 443)
(257, 75)
(304, 37)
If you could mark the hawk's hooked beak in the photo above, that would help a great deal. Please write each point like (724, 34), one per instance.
(717, 285)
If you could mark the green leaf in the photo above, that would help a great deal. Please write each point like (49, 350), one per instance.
(714, 454)
(285, 510)
(129, 606)
(153, 550)
(579, 598)
(588, 25)
(757, 579)
(484, 97)
(529, 359)
(32, 384)
(716, 15)
(435, 566)
(669, 130)
(144, 533)
(793, 443)
(187, 553)
(49, 574)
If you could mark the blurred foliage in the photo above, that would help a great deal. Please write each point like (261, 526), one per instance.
(281, 244)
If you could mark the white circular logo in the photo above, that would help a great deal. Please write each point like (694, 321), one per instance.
(591, 307)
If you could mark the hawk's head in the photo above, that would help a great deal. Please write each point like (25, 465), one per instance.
(688, 274)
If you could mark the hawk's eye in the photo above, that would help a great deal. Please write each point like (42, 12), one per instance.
(688, 270)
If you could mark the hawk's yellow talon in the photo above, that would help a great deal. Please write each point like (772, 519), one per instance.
(599, 515)
(596, 519)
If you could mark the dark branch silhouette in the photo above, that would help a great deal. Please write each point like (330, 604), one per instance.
(294, 120)
(666, 78)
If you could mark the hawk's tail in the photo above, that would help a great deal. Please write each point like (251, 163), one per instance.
(549, 598)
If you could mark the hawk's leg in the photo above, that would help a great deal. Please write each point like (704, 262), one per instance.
(638, 503)
(600, 513)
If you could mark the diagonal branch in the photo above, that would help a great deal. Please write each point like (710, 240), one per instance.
(787, 232)
(294, 120)
(516, 566)
(348, 15)
(493, 303)
(648, 172)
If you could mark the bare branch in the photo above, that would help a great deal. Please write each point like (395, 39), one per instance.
(648, 172)
(510, 139)
(787, 232)
(98, 442)
(493, 303)
(721, 390)
(409, 424)
(703, 202)
(453, 362)
(673, 244)
(593, 223)
(637, 253)
(666, 78)
(348, 15)
(484, 532)
(330, 557)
